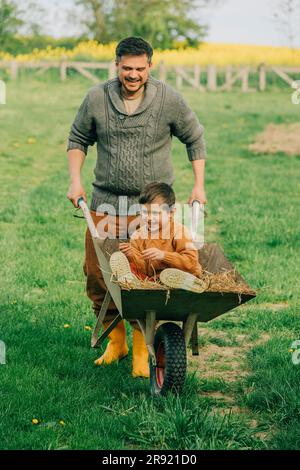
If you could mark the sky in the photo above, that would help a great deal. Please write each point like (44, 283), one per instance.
(235, 21)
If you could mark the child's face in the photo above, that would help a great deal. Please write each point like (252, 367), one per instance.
(156, 215)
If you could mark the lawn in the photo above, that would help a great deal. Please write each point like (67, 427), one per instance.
(243, 391)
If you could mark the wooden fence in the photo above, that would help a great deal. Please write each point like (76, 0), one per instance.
(189, 75)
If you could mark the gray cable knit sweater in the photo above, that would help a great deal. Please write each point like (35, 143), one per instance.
(133, 150)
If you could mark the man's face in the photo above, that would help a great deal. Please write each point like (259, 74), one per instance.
(133, 71)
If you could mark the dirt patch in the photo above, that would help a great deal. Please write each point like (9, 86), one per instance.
(226, 363)
(223, 362)
(278, 138)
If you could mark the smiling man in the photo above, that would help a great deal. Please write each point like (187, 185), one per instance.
(133, 118)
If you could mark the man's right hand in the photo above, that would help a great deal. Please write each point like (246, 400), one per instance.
(76, 190)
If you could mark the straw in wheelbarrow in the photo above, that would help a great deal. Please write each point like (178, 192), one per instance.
(226, 281)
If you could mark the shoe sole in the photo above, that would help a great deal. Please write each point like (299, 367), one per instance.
(178, 279)
(120, 267)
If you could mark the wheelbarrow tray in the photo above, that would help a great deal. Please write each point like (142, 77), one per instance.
(174, 304)
(177, 304)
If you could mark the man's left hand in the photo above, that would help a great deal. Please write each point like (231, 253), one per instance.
(199, 194)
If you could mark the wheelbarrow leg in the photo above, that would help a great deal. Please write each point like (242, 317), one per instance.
(194, 341)
(95, 341)
(191, 333)
(148, 330)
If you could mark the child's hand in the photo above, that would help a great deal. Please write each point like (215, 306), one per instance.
(153, 253)
(126, 248)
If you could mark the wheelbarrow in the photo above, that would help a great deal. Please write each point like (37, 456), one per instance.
(167, 345)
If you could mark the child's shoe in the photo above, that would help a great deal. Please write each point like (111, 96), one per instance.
(121, 268)
(178, 279)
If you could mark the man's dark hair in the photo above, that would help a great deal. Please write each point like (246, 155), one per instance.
(133, 45)
(154, 190)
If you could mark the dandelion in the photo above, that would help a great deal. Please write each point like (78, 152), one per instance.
(87, 328)
(35, 421)
(66, 325)
(62, 423)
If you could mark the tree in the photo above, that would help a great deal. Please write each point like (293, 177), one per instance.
(159, 21)
(10, 22)
(285, 17)
(15, 22)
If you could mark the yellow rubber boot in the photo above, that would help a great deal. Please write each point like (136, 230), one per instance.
(140, 355)
(117, 347)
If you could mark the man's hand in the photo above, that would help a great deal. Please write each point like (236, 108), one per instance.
(198, 189)
(153, 253)
(76, 191)
(126, 248)
(199, 194)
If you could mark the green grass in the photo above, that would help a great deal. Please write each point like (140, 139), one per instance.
(252, 213)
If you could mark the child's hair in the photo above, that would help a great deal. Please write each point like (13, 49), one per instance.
(154, 190)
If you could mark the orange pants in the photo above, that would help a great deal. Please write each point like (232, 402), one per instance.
(139, 273)
(95, 284)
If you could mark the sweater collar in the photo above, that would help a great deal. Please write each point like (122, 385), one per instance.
(114, 90)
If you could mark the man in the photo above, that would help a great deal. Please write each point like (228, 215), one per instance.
(132, 117)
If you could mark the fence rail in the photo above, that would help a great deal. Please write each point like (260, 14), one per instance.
(190, 75)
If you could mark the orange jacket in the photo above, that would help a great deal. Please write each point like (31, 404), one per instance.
(179, 250)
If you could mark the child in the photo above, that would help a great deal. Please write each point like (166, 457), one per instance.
(162, 247)
(161, 242)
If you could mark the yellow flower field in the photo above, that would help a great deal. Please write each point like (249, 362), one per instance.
(206, 53)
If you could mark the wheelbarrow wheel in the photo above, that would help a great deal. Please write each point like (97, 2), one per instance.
(170, 351)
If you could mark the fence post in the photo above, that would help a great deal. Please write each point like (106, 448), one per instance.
(162, 71)
(212, 78)
(14, 69)
(197, 76)
(178, 78)
(63, 70)
(228, 78)
(245, 78)
(262, 77)
(111, 70)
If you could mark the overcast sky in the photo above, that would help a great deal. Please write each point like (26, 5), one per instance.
(237, 21)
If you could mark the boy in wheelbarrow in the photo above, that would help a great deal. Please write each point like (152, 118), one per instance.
(132, 117)
(160, 246)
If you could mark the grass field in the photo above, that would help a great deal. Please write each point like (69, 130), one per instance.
(243, 391)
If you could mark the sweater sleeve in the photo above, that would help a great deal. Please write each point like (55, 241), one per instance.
(83, 130)
(185, 257)
(187, 128)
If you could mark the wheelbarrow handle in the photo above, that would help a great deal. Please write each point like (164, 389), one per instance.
(87, 215)
(197, 209)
